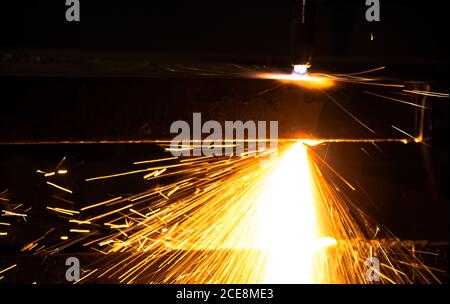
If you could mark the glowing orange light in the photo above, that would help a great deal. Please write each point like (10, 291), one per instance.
(307, 80)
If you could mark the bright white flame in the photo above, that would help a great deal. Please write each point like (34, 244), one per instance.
(325, 242)
(288, 220)
(300, 69)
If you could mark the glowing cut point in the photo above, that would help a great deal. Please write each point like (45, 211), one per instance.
(301, 69)
(311, 142)
(300, 76)
(325, 242)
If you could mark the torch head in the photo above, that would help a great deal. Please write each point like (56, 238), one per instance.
(302, 32)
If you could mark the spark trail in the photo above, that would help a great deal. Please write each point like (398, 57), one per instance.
(244, 219)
